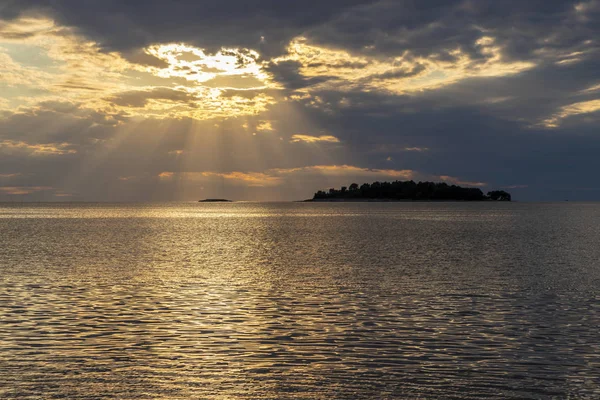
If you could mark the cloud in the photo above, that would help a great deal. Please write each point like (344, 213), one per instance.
(118, 25)
(140, 98)
(432, 27)
(205, 67)
(283, 177)
(401, 73)
(584, 107)
(340, 173)
(264, 126)
(287, 73)
(252, 179)
(591, 89)
(23, 190)
(10, 146)
(458, 181)
(60, 194)
(515, 187)
(358, 171)
(314, 139)
(349, 171)
(162, 175)
(417, 149)
(586, 9)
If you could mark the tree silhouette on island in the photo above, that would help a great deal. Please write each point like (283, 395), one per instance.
(409, 191)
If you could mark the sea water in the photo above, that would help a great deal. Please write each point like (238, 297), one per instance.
(300, 300)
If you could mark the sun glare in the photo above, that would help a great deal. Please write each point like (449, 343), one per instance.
(193, 64)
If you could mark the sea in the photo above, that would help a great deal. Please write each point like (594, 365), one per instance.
(300, 301)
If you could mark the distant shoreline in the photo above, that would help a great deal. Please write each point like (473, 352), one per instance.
(391, 201)
(215, 201)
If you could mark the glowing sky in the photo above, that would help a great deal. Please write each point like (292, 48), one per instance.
(272, 100)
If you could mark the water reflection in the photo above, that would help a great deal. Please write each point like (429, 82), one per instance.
(299, 301)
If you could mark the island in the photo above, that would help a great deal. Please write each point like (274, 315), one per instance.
(215, 201)
(409, 191)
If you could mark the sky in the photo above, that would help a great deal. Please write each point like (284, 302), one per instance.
(131, 100)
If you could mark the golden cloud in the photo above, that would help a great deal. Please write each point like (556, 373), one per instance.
(345, 170)
(406, 73)
(62, 194)
(253, 179)
(277, 176)
(189, 82)
(457, 181)
(584, 107)
(264, 126)
(23, 190)
(314, 139)
(166, 175)
(38, 149)
(592, 89)
(57, 64)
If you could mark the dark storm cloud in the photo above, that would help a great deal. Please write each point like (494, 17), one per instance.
(130, 24)
(435, 27)
(432, 27)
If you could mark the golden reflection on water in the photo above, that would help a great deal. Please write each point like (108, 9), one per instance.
(298, 301)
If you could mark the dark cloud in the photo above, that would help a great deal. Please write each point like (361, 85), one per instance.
(435, 27)
(428, 27)
(211, 24)
(288, 74)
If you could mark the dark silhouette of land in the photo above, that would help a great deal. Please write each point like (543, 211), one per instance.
(409, 191)
(215, 201)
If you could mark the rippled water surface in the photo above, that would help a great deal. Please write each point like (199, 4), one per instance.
(300, 301)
